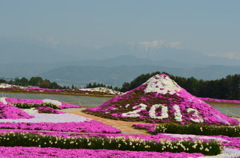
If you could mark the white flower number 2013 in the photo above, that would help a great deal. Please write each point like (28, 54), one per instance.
(164, 112)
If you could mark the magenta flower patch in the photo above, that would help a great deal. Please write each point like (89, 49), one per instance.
(45, 109)
(221, 100)
(36, 152)
(8, 111)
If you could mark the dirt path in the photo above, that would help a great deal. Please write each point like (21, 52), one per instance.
(124, 126)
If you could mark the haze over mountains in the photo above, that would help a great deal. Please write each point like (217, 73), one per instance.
(111, 65)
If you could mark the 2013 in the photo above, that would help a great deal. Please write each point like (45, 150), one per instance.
(164, 112)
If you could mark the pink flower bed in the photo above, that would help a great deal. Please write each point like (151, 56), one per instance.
(47, 90)
(36, 152)
(160, 99)
(12, 112)
(8, 112)
(39, 101)
(45, 109)
(149, 127)
(90, 126)
(220, 100)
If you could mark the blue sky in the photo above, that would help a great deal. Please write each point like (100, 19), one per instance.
(211, 27)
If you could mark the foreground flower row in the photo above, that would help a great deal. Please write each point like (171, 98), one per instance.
(210, 147)
(37, 152)
(225, 140)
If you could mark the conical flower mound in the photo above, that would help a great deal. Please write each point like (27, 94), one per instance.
(161, 99)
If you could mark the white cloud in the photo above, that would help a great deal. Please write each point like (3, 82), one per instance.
(52, 41)
(161, 44)
(229, 55)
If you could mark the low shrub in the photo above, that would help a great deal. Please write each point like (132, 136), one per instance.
(211, 147)
(198, 129)
(31, 105)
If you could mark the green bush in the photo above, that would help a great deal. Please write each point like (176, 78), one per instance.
(199, 129)
(117, 143)
(31, 105)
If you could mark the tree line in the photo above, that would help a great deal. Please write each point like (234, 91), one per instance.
(94, 85)
(225, 88)
(34, 81)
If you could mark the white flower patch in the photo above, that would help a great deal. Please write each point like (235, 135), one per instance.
(135, 112)
(30, 111)
(4, 85)
(196, 137)
(226, 153)
(51, 118)
(164, 114)
(102, 89)
(196, 114)
(86, 89)
(162, 84)
(55, 102)
(177, 113)
(3, 100)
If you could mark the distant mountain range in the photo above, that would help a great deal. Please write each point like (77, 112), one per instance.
(117, 75)
(111, 65)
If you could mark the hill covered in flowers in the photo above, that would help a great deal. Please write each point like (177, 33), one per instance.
(161, 99)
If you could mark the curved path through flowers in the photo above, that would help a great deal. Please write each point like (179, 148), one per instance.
(124, 126)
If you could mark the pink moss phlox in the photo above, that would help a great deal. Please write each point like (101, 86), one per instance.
(27, 101)
(47, 90)
(37, 152)
(164, 75)
(220, 100)
(45, 109)
(8, 111)
(208, 113)
(39, 101)
(90, 126)
(149, 127)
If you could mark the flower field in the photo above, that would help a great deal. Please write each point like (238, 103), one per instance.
(38, 127)
(102, 91)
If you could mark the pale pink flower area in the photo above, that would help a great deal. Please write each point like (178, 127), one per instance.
(158, 100)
